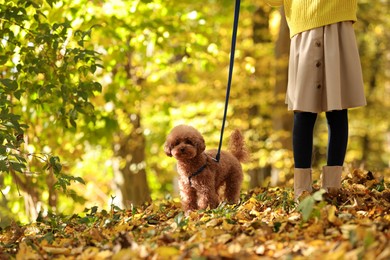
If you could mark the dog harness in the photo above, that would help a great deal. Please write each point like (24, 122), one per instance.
(199, 171)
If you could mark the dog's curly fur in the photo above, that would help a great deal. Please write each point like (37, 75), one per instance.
(199, 191)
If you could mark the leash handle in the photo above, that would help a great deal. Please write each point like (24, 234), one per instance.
(232, 51)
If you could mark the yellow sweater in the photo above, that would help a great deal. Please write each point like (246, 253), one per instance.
(303, 15)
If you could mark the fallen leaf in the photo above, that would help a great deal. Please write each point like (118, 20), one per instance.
(224, 238)
(56, 250)
(165, 252)
(332, 218)
(26, 252)
(263, 225)
(213, 222)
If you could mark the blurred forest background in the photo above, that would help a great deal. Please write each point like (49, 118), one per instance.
(89, 89)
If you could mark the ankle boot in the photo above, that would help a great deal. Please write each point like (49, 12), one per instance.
(302, 181)
(331, 178)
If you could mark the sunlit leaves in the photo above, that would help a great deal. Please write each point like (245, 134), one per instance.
(166, 62)
(256, 227)
(46, 84)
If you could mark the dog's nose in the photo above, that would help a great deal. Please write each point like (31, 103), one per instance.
(182, 149)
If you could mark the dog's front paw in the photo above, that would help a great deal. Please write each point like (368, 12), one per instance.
(187, 213)
(192, 214)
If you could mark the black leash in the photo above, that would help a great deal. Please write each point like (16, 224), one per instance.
(233, 47)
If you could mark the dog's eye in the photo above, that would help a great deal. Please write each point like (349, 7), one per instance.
(188, 142)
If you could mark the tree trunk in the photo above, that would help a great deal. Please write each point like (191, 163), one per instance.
(27, 189)
(129, 169)
(281, 119)
(259, 175)
(53, 196)
(260, 35)
(372, 84)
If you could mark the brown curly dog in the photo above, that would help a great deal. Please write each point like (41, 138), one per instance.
(201, 178)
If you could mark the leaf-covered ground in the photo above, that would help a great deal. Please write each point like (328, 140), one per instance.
(352, 225)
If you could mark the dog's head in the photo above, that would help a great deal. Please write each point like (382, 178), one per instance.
(184, 143)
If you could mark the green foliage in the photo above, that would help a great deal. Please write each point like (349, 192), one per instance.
(45, 84)
(180, 220)
(308, 206)
(380, 186)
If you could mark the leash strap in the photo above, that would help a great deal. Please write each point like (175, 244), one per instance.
(199, 171)
(233, 48)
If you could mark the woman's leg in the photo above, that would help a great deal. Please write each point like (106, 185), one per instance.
(337, 147)
(303, 138)
(303, 147)
(337, 136)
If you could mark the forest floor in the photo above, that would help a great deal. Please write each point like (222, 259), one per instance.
(266, 224)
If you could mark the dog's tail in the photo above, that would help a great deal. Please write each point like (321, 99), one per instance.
(237, 146)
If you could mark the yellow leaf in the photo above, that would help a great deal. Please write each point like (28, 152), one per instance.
(332, 218)
(234, 248)
(89, 253)
(125, 254)
(260, 250)
(346, 229)
(294, 217)
(143, 251)
(210, 232)
(214, 222)
(123, 227)
(31, 230)
(385, 254)
(249, 204)
(26, 252)
(252, 200)
(193, 215)
(165, 252)
(137, 216)
(226, 226)
(57, 250)
(317, 243)
(106, 254)
(63, 242)
(196, 237)
(241, 216)
(313, 230)
(339, 252)
(77, 250)
(224, 238)
(205, 218)
(255, 213)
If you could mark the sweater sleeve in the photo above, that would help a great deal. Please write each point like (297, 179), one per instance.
(274, 2)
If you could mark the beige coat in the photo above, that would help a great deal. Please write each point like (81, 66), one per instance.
(324, 70)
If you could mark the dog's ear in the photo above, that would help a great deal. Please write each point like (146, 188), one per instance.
(167, 149)
(200, 145)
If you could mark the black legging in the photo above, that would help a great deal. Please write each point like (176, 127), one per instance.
(303, 137)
